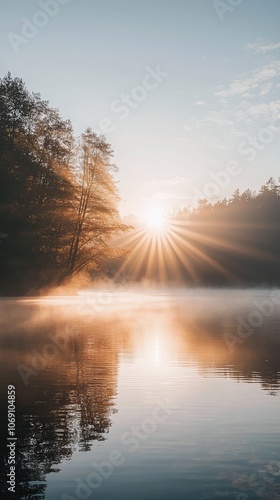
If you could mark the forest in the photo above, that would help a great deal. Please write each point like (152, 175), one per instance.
(59, 216)
(58, 196)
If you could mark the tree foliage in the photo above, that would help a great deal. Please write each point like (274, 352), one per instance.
(58, 196)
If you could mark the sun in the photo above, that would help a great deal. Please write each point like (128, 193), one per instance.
(156, 221)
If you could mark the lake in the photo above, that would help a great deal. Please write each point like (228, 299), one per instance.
(160, 395)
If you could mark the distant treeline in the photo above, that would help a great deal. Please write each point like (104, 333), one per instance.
(240, 236)
(58, 197)
(235, 241)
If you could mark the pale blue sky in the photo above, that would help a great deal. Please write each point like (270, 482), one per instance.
(222, 87)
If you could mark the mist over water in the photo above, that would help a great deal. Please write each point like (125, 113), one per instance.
(92, 371)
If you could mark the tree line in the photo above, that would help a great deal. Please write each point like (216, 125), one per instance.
(240, 236)
(58, 196)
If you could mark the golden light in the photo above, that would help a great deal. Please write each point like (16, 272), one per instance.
(166, 249)
(156, 221)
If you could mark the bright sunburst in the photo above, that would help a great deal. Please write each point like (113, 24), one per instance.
(156, 221)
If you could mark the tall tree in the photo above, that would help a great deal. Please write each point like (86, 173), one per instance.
(97, 219)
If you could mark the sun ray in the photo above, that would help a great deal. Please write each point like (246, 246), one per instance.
(142, 256)
(152, 257)
(182, 257)
(163, 248)
(206, 258)
(226, 244)
(144, 239)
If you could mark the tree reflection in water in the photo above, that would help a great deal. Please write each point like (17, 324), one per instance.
(66, 406)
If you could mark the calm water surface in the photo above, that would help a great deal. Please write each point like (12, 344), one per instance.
(144, 396)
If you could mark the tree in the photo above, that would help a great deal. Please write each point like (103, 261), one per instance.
(97, 219)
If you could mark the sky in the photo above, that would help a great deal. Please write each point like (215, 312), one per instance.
(186, 91)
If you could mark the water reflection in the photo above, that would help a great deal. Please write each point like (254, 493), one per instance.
(64, 360)
(64, 368)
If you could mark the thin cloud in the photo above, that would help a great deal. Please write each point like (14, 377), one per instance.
(269, 109)
(261, 48)
(241, 86)
(215, 145)
(265, 89)
(174, 181)
(168, 196)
